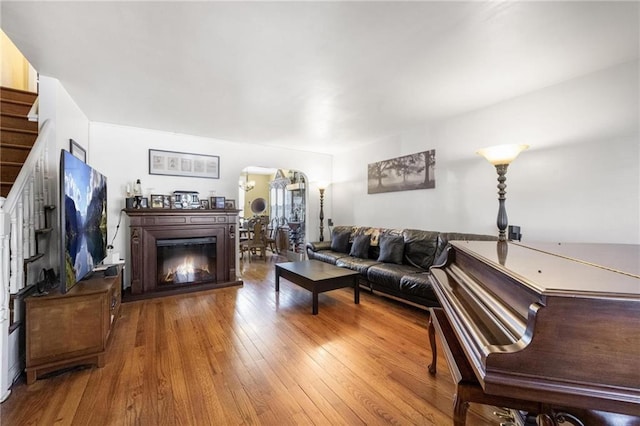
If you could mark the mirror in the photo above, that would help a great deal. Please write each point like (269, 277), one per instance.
(258, 206)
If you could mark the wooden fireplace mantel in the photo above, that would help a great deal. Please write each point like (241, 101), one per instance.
(148, 225)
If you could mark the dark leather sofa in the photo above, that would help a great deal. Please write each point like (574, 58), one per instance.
(395, 262)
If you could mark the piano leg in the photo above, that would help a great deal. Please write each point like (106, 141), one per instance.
(460, 408)
(555, 418)
(434, 351)
(465, 394)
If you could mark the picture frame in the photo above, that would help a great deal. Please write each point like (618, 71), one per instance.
(167, 201)
(174, 163)
(77, 151)
(217, 202)
(405, 173)
(230, 204)
(157, 201)
(144, 203)
(204, 204)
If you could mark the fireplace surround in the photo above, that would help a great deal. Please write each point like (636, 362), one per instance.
(176, 251)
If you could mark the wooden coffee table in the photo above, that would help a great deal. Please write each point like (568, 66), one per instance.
(318, 277)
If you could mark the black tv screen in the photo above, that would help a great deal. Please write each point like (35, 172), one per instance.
(83, 224)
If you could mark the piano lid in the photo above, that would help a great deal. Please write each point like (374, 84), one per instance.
(544, 268)
(623, 258)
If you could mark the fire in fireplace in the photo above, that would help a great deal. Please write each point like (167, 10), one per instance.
(186, 260)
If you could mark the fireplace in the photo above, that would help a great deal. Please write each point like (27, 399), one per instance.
(185, 261)
(175, 251)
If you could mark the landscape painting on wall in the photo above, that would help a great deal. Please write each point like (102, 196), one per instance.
(415, 171)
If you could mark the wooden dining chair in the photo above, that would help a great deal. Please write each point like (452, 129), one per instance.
(257, 242)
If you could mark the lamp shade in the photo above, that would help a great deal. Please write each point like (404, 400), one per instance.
(502, 154)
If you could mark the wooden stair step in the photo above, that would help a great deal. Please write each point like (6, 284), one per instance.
(15, 107)
(5, 187)
(9, 170)
(18, 122)
(15, 153)
(17, 95)
(18, 136)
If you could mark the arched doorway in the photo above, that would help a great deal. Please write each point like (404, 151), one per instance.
(279, 197)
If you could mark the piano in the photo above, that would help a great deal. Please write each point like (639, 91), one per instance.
(547, 328)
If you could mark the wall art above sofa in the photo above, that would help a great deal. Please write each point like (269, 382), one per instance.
(415, 171)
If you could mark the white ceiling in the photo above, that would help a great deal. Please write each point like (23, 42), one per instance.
(317, 76)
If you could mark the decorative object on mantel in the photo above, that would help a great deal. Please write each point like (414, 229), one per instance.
(415, 171)
(501, 156)
(229, 204)
(186, 199)
(137, 188)
(173, 163)
(137, 195)
(322, 186)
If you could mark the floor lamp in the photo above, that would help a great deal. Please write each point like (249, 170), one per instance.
(322, 187)
(501, 156)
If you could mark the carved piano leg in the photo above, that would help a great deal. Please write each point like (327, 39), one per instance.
(460, 407)
(557, 418)
(434, 351)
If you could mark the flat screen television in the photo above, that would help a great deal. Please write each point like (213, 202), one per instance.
(83, 221)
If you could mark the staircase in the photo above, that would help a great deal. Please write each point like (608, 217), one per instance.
(17, 134)
(26, 218)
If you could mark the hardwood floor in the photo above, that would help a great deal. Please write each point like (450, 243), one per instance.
(246, 355)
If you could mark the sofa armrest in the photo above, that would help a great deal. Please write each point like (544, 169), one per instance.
(318, 245)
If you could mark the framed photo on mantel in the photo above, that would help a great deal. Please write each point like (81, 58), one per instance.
(217, 202)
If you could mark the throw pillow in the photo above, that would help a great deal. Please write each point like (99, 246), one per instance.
(391, 249)
(340, 241)
(360, 247)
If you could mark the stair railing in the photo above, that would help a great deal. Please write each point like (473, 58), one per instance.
(21, 213)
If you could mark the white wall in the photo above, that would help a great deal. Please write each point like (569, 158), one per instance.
(579, 181)
(122, 154)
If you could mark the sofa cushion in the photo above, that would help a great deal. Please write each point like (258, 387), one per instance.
(360, 247)
(389, 274)
(327, 256)
(356, 264)
(420, 247)
(391, 249)
(373, 233)
(318, 245)
(340, 241)
(420, 286)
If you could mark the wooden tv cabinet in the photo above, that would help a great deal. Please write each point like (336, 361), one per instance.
(65, 330)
